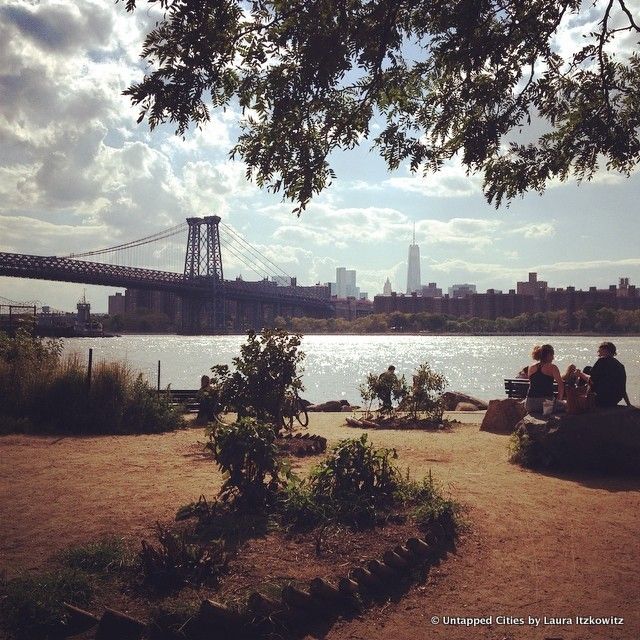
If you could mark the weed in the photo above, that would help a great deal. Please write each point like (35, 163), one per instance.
(178, 561)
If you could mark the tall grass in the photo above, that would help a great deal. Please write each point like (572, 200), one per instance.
(42, 391)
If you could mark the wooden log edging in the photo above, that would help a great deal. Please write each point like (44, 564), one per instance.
(296, 606)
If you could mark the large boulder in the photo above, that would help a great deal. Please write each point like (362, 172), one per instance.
(330, 405)
(502, 416)
(606, 441)
(451, 399)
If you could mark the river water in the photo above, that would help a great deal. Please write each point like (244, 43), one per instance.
(335, 365)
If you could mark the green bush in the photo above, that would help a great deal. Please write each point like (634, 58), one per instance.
(359, 486)
(31, 605)
(266, 374)
(355, 481)
(424, 398)
(247, 453)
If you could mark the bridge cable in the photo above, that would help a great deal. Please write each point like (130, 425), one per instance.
(232, 245)
(160, 235)
(230, 229)
(243, 259)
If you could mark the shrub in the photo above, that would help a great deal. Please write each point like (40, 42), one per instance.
(266, 373)
(355, 480)
(246, 451)
(386, 388)
(178, 561)
(422, 399)
(425, 394)
(31, 606)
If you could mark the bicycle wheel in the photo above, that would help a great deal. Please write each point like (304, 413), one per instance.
(302, 417)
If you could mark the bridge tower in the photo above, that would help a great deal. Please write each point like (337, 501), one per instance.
(203, 265)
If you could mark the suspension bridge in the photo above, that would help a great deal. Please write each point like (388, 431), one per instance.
(207, 302)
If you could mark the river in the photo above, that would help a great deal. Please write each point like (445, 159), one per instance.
(336, 364)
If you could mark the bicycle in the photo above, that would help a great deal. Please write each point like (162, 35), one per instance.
(294, 409)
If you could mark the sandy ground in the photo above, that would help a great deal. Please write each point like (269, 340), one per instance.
(539, 545)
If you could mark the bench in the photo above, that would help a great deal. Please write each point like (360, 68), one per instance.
(186, 397)
(518, 387)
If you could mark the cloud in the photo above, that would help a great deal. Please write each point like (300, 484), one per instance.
(581, 265)
(59, 29)
(535, 230)
(451, 181)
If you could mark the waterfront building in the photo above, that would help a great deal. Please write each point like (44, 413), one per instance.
(532, 287)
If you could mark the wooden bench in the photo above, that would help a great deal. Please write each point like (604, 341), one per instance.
(518, 387)
(186, 397)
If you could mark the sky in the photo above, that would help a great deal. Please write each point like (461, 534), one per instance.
(78, 173)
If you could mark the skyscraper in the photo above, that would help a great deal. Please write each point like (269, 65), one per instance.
(413, 265)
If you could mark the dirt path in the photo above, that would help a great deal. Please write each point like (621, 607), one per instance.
(539, 545)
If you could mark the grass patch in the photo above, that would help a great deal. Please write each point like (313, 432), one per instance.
(98, 557)
(31, 605)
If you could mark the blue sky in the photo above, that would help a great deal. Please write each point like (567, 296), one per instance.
(77, 173)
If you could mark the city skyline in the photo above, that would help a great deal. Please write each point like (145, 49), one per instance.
(77, 173)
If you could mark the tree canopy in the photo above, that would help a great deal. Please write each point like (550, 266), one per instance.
(487, 82)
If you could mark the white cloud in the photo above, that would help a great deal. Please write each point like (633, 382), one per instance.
(536, 230)
(451, 181)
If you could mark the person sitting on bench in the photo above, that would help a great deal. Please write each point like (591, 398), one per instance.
(607, 377)
(541, 377)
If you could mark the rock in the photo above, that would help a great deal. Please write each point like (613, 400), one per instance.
(347, 407)
(503, 415)
(605, 441)
(330, 405)
(451, 399)
(466, 406)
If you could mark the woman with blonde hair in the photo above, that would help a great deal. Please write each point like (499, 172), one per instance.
(542, 374)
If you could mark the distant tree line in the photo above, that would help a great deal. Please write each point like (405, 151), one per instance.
(602, 320)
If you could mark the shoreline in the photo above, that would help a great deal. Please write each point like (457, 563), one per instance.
(583, 334)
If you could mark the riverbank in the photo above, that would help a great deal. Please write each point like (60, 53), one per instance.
(538, 545)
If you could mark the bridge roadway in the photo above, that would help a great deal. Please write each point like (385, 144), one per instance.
(69, 270)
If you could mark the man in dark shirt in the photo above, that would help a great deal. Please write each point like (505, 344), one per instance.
(608, 377)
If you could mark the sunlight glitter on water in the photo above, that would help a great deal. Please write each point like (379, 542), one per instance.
(335, 365)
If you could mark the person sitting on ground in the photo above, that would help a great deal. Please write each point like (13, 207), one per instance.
(523, 374)
(607, 378)
(542, 374)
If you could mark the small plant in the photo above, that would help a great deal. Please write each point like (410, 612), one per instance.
(97, 557)
(425, 394)
(178, 561)
(31, 606)
(355, 480)
(247, 453)
(386, 389)
(420, 401)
